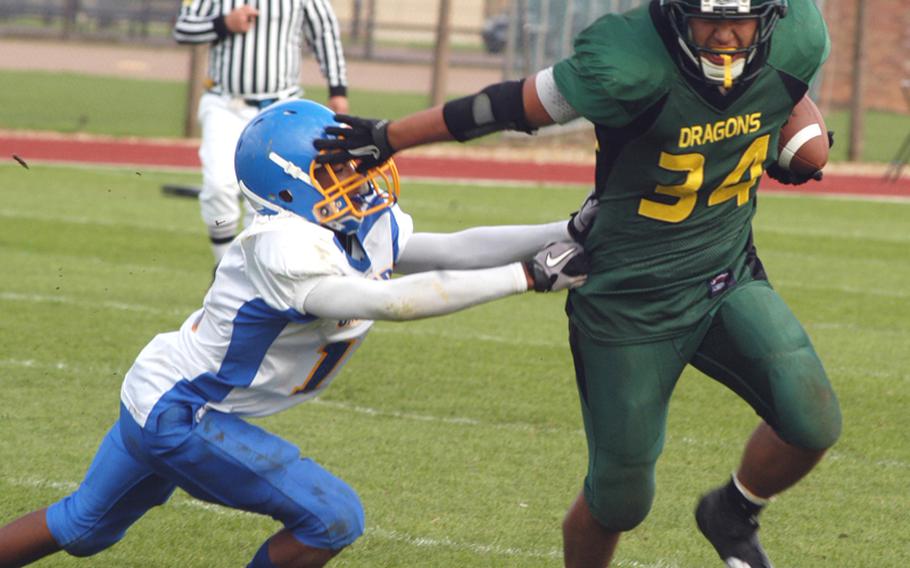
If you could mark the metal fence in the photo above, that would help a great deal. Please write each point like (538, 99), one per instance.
(516, 34)
(540, 32)
(113, 20)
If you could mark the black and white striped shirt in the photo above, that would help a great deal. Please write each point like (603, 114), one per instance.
(265, 61)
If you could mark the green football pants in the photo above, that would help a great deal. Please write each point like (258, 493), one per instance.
(751, 342)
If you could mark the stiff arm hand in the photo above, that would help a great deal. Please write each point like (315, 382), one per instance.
(365, 140)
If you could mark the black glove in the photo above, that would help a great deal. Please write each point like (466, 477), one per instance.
(558, 266)
(580, 222)
(367, 141)
(787, 177)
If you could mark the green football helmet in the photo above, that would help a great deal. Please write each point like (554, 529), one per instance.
(692, 58)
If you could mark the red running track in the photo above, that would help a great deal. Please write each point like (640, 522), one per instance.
(178, 154)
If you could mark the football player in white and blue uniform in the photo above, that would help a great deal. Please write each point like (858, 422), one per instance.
(292, 300)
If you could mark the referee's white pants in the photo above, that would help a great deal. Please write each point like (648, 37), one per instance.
(222, 120)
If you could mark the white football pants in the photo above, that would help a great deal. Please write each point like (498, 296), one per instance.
(222, 120)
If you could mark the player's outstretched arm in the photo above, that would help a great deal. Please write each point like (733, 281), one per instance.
(484, 247)
(510, 105)
(558, 266)
(477, 247)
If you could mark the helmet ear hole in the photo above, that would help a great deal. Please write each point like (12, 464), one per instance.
(285, 196)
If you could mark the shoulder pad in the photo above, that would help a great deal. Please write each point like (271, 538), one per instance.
(296, 248)
(800, 43)
(619, 69)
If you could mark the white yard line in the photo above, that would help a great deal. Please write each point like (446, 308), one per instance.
(93, 262)
(65, 300)
(32, 364)
(184, 501)
(866, 264)
(790, 194)
(480, 549)
(853, 234)
(469, 336)
(823, 325)
(883, 292)
(33, 215)
(65, 486)
(451, 420)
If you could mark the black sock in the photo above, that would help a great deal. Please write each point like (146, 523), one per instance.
(738, 500)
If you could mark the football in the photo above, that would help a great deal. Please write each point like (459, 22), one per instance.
(803, 144)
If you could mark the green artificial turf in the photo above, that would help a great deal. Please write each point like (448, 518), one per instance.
(461, 434)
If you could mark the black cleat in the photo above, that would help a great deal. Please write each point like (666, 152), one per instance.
(731, 530)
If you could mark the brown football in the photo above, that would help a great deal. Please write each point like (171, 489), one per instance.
(803, 144)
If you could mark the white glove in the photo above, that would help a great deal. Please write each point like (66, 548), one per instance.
(558, 266)
(580, 222)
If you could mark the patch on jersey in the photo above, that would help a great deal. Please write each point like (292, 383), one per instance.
(742, 6)
(718, 284)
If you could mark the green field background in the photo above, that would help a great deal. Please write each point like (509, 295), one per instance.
(461, 434)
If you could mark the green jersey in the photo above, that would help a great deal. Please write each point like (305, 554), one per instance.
(678, 164)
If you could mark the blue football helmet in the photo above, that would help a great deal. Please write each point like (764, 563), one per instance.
(277, 171)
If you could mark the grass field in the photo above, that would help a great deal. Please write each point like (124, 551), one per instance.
(67, 102)
(461, 434)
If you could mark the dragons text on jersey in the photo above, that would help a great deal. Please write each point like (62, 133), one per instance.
(678, 166)
(720, 130)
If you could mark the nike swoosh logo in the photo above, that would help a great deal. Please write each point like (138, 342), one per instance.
(365, 151)
(551, 262)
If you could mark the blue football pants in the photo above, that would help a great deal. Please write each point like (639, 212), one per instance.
(220, 459)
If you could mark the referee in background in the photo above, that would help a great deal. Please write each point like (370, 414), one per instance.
(254, 61)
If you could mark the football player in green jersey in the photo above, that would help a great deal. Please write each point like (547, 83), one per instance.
(687, 98)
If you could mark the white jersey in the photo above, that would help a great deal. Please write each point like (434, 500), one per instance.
(252, 349)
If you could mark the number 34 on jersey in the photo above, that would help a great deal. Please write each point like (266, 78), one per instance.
(735, 186)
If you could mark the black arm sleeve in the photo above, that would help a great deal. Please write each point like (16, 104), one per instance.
(497, 107)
